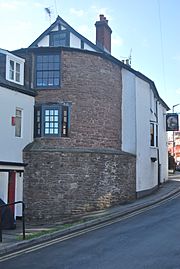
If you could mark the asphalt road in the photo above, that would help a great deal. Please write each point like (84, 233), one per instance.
(150, 240)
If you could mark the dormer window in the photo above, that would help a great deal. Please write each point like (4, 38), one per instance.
(59, 38)
(15, 69)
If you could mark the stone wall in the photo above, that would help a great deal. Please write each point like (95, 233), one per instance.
(93, 85)
(69, 176)
(61, 185)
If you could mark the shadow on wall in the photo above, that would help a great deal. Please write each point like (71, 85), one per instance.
(7, 217)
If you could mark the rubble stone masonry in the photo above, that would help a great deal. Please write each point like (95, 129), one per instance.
(86, 171)
(66, 185)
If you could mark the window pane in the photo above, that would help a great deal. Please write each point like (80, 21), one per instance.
(11, 65)
(45, 58)
(39, 74)
(45, 66)
(39, 66)
(56, 58)
(39, 82)
(48, 70)
(152, 134)
(51, 121)
(56, 81)
(51, 58)
(39, 58)
(64, 121)
(17, 67)
(18, 123)
(46, 112)
(17, 77)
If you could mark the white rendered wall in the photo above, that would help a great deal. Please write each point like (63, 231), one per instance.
(128, 112)
(75, 42)
(87, 47)
(44, 42)
(146, 170)
(163, 147)
(138, 110)
(11, 146)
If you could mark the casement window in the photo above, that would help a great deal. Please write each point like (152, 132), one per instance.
(153, 134)
(52, 120)
(59, 38)
(18, 123)
(15, 69)
(47, 70)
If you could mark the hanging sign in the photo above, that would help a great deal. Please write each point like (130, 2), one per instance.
(172, 122)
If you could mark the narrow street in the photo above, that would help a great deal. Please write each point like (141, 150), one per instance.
(148, 240)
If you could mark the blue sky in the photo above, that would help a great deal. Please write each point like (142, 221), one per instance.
(148, 28)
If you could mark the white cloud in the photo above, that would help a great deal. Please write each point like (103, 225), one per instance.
(83, 29)
(38, 4)
(176, 58)
(86, 32)
(12, 4)
(178, 91)
(78, 13)
(104, 11)
(117, 41)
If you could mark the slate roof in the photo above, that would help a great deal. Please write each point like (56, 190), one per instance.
(16, 87)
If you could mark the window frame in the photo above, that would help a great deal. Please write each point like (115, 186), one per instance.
(18, 123)
(67, 38)
(12, 75)
(40, 120)
(154, 135)
(36, 70)
(44, 121)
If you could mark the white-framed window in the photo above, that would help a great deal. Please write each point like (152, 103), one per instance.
(15, 69)
(153, 134)
(18, 123)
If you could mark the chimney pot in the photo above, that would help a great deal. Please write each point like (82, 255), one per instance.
(101, 17)
(103, 34)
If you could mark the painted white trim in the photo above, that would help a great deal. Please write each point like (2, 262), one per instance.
(20, 61)
(11, 167)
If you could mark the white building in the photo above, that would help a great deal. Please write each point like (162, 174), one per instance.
(144, 130)
(16, 125)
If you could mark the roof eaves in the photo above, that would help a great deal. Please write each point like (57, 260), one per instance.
(9, 85)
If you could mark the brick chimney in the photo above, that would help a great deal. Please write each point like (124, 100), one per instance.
(103, 34)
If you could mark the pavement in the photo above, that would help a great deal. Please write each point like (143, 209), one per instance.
(12, 239)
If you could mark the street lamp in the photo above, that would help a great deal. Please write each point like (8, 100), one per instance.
(173, 131)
